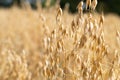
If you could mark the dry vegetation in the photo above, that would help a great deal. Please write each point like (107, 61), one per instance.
(51, 44)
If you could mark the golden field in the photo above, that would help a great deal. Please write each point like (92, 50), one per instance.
(39, 45)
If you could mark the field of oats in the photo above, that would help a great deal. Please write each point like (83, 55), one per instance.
(52, 44)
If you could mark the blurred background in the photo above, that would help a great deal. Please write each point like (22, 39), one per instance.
(112, 6)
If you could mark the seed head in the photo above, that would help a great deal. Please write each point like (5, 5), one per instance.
(83, 40)
(60, 11)
(65, 32)
(67, 5)
(73, 25)
(59, 15)
(88, 4)
(59, 45)
(48, 3)
(53, 34)
(51, 49)
(93, 4)
(118, 37)
(118, 33)
(79, 7)
(116, 54)
(101, 19)
(61, 27)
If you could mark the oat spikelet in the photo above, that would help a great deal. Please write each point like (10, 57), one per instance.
(59, 15)
(118, 34)
(79, 7)
(26, 5)
(88, 4)
(67, 5)
(118, 37)
(57, 4)
(101, 19)
(73, 25)
(38, 5)
(65, 32)
(94, 4)
(83, 40)
(48, 3)
(53, 34)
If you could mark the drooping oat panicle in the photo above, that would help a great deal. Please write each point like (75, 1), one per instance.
(81, 57)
